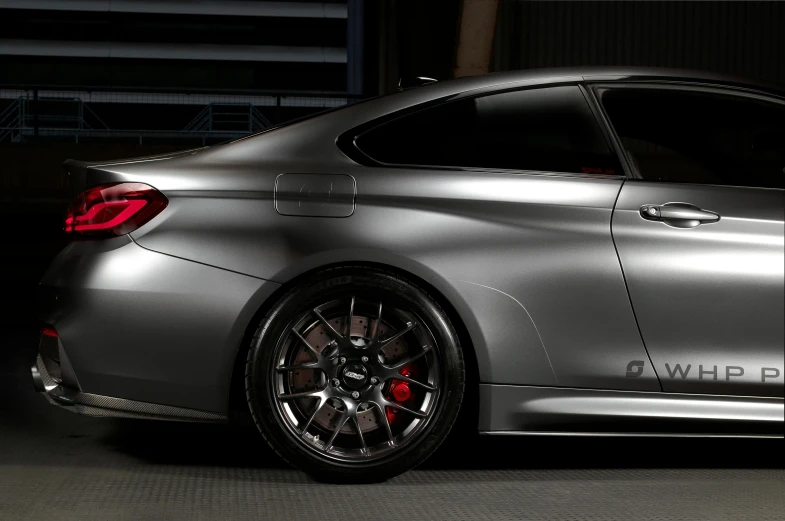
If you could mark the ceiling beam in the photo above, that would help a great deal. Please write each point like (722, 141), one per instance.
(189, 7)
(173, 51)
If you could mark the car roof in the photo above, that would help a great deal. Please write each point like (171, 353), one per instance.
(368, 110)
(342, 119)
(556, 75)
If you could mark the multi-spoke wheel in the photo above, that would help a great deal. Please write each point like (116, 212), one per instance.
(355, 375)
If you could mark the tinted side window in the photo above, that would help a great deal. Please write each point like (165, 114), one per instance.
(684, 136)
(549, 129)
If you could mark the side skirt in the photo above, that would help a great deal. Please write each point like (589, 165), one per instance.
(512, 410)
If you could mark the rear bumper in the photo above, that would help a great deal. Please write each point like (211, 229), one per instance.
(74, 400)
(136, 328)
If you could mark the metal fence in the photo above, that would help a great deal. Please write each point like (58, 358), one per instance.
(74, 114)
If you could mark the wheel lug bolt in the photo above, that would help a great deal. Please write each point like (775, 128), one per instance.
(355, 395)
(365, 359)
(336, 382)
(375, 381)
(342, 360)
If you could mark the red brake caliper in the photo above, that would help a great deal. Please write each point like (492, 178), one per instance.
(400, 392)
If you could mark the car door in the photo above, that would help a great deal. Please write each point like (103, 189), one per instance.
(700, 234)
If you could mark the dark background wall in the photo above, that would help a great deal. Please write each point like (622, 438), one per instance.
(739, 38)
(84, 30)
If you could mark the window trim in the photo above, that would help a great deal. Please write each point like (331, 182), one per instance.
(596, 88)
(347, 141)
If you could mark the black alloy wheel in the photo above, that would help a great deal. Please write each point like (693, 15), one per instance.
(355, 374)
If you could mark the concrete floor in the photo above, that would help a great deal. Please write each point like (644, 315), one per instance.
(57, 465)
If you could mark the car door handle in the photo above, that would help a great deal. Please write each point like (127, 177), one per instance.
(678, 215)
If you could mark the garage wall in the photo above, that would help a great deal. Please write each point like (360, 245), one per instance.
(739, 38)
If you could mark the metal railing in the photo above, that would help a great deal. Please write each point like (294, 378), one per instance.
(79, 112)
(228, 116)
(24, 115)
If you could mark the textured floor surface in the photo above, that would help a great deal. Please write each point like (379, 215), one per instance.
(57, 465)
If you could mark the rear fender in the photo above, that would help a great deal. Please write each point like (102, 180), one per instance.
(490, 316)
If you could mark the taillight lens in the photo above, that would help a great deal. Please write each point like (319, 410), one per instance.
(113, 210)
(49, 331)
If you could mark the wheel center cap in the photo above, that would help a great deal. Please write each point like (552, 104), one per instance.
(354, 376)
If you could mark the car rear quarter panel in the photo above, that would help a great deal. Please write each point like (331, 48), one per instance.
(149, 327)
(527, 260)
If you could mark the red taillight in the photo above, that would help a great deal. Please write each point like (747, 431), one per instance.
(114, 210)
(49, 331)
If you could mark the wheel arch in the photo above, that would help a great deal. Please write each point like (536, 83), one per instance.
(438, 287)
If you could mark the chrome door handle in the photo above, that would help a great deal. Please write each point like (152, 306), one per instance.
(678, 215)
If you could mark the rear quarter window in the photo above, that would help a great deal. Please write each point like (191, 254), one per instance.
(545, 129)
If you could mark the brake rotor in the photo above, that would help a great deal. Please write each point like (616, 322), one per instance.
(308, 379)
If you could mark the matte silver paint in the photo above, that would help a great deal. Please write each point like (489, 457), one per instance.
(149, 327)
(563, 410)
(537, 265)
(544, 240)
(711, 295)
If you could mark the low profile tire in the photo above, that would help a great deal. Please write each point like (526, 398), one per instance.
(355, 375)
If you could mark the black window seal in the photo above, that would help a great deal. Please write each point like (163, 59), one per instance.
(709, 88)
(347, 141)
(614, 142)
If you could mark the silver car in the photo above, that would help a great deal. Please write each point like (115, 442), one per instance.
(562, 252)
